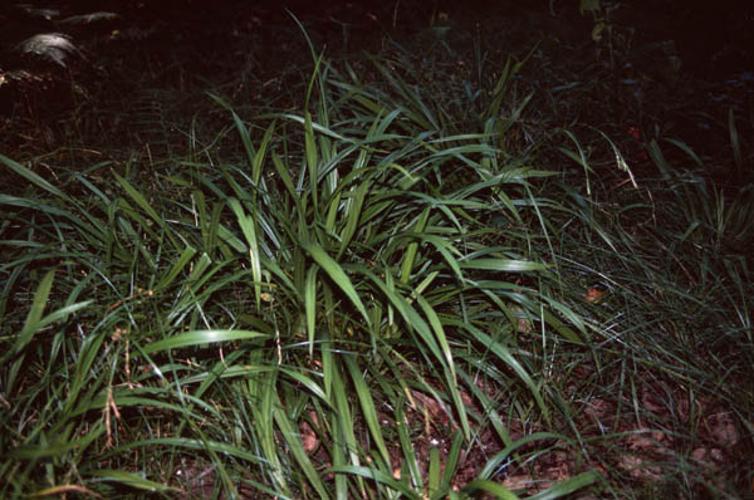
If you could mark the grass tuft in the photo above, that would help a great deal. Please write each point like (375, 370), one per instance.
(383, 293)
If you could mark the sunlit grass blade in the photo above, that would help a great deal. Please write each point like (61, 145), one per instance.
(451, 462)
(493, 463)
(503, 265)
(131, 480)
(248, 227)
(261, 401)
(368, 410)
(497, 490)
(182, 261)
(433, 475)
(201, 338)
(568, 486)
(502, 352)
(312, 159)
(356, 203)
(343, 426)
(37, 307)
(310, 305)
(142, 202)
(379, 477)
(294, 443)
(407, 266)
(407, 446)
(339, 277)
(442, 341)
(32, 177)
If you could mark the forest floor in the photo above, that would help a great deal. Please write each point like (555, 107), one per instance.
(625, 373)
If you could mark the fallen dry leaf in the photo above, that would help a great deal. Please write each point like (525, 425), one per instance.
(650, 401)
(397, 473)
(594, 295)
(646, 440)
(634, 465)
(699, 454)
(518, 482)
(704, 455)
(597, 408)
(722, 429)
(309, 438)
(524, 324)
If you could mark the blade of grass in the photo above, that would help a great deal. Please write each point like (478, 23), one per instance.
(368, 409)
(201, 338)
(339, 277)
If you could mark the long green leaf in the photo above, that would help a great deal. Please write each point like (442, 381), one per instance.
(32, 177)
(132, 480)
(503, 265)
(368, 409)
(37, 309)
(201, 337)
(377, 476)
(497, 490)
(248, 227)
(336, 273)
(492, 464)
(310, 305)
(297, 450)
(568, 486)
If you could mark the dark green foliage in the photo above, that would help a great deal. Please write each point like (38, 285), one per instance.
(380, 293)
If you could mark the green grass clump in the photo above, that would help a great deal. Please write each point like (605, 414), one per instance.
(302, 319)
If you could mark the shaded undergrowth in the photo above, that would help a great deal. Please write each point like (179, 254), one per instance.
(386, 293)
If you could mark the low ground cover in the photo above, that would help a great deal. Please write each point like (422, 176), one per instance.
(406, 281)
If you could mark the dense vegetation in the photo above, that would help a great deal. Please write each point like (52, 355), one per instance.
(408, 276)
